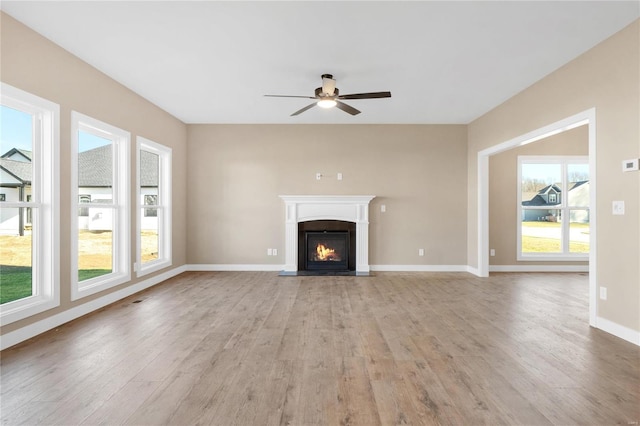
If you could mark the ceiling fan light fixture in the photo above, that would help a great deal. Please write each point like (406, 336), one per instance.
(327, 103)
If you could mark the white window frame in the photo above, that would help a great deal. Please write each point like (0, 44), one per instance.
(564, 161)
(120, 203)
(163, 207)
(45, 205)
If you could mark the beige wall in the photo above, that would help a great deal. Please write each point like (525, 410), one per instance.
(503, 191)
(607, 78)
(236, 173)
(34, 64)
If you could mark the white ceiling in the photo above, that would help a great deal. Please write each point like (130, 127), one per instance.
(212, 62)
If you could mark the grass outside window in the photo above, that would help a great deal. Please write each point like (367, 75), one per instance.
(15, 260)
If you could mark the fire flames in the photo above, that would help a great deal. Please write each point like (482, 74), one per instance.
(324, 253)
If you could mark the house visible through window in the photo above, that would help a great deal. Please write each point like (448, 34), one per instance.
(553, 208)
(29, 178)
(101, 233)
(154, 206)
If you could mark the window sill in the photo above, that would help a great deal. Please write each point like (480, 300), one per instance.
(27, 307)
(153, 266)
(553, 258)
(96, 285)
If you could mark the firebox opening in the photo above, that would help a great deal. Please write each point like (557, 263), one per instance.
(327, 250)
(326, 245)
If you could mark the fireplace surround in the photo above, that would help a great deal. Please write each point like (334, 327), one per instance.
(308, 208)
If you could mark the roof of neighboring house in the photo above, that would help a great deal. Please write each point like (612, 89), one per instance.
(94, 168)
(21, 170)
(577, 184)
(548, 188)
(148, 168)
(22, 152)
(538, 201)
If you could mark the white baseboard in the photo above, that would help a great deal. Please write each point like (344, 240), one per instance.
(380, 268)
(233, 267)
(473, 270)
(618, 330)
(538, 268)
(27, 332)
(420, 268)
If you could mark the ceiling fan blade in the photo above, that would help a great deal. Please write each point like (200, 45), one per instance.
(300, 111)
(347, 108)
(289, 96)
(372, 95)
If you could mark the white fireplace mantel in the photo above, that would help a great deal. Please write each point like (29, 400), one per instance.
(350, 208)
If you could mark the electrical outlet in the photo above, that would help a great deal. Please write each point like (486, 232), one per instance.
(339, 176)
(269, 252)
(631, 165)
(383, 208)
(420, 252)
(492, 252)
(318, 176)
(275, 252)
(603, 293)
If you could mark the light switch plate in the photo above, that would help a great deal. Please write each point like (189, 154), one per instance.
(603, 293)
(618, 208)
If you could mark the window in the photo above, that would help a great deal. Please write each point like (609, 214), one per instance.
(553, 206)
(84, 211)
(154, 206)
(150, 200)
(29, 236)
(100, 227)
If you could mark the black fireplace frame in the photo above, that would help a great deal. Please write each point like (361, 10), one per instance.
(331, 265)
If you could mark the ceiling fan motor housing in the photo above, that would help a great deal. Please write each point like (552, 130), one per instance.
(320, 93)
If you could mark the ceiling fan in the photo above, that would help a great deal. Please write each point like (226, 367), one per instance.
(329, 96)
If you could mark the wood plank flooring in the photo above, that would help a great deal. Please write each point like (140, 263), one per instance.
(253, 348)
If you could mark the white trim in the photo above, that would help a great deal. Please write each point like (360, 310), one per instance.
(164, 260)
(420, 268)
(618, 330)
(27, 332)
(121, 187)
(538, 268)
(584, 117)
(474, 271)
(234, 267)
(46, 205)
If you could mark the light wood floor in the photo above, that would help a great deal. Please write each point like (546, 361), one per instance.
(398, 348)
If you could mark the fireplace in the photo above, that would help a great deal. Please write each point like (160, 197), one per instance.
(326, 251)
(306, 212)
